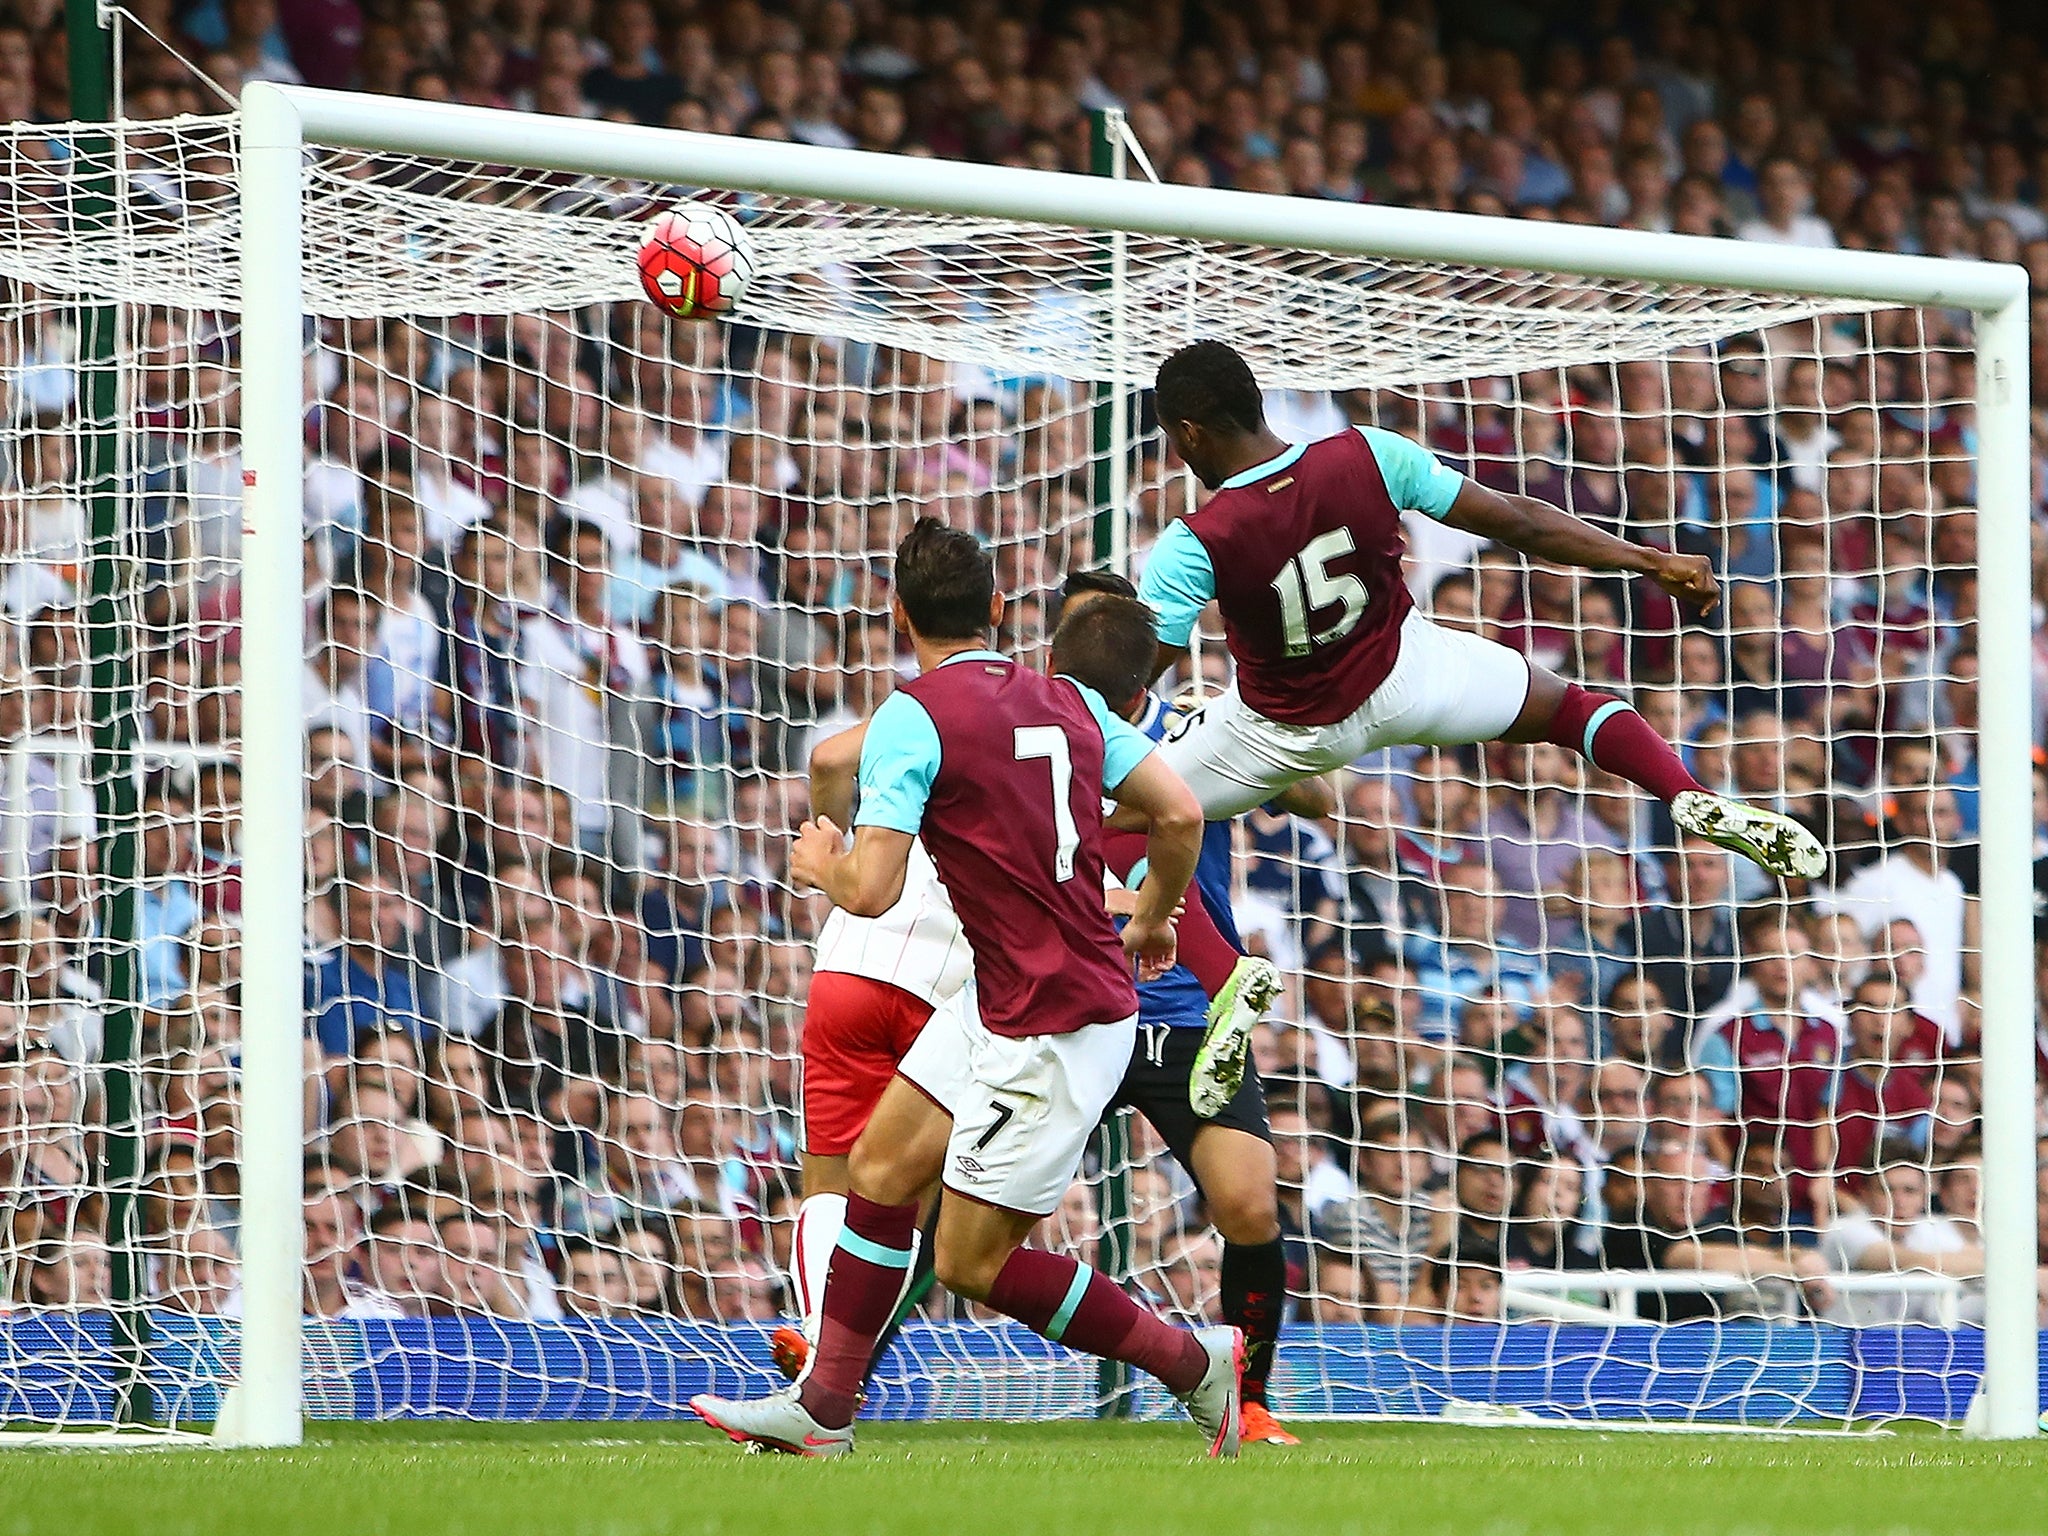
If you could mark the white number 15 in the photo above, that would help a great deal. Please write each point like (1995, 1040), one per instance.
(1310, 570)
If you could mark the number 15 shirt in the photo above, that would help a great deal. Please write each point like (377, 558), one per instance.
(1303, 555)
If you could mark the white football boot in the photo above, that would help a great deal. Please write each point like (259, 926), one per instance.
(1217, 1400)
(778, 1422)
(1227, 1044)
(1766, 838)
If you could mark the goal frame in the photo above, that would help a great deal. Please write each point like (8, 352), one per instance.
(279, 123)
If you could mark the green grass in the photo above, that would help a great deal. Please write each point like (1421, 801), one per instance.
(1064, 1479)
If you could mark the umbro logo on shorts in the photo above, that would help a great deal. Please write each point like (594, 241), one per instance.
(967, 1165)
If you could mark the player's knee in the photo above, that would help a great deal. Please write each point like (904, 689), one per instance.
(1247, 1217)
(880, 1174)
(965, 1270)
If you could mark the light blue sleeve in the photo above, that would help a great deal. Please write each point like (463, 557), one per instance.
(1124, 746)
(898, 762)
(1179, 583)
(1417, 479)
(1716, 1058)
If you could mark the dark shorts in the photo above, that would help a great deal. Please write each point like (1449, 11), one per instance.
(1156, 1086)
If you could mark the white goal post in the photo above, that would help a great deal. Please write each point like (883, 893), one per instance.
(280, 123)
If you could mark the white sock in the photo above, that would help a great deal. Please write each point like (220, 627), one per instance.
(910, 1270)
(818, 1222)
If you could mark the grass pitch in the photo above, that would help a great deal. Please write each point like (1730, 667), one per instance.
(1065, 1479)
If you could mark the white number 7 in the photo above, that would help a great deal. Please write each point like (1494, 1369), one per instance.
(1050, 743)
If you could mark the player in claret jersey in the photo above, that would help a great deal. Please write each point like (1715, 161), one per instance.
(1300, 547)
(1000, 770)
(1224, 1143)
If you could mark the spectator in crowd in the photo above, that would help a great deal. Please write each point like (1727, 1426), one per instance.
(1773, 1059)
(169, 898)
(1593, 935)
(1688, 943)
(1542, 1229)
(1896, 1231)
(1310, 1178)
(592, 1278)
(1462, 1285)
(1682, 1229)
(1386, 1229)
(363, 983)
(1914, 880)
(1482, 1192)
(1877, 1099)
(1469, 957)
(407, 1265)
(1342, 1292)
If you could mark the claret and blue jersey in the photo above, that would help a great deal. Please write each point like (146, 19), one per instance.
(1180, 578)
(1001, 770)
(1303, 555)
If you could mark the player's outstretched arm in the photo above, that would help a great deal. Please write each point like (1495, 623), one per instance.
(865, 880)
(1173, 842)
(1550, 533)
(835, 767)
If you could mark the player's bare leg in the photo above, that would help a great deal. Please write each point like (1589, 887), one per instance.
(980, 1256)
(1237, 1173)
(1612, 736)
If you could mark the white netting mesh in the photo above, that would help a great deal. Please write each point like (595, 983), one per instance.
(461, 239)
(582, 586)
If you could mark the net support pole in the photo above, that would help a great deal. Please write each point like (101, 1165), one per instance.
(2010, 1405)
(1107, 157)
(265, 1410)
(1114, 1251)
(110, 635)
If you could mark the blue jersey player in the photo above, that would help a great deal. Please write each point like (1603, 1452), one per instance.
(1223, 1141)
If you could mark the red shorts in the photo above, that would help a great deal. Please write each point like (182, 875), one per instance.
(855, 1032)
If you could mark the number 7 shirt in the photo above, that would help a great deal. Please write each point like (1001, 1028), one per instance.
(1001, 771)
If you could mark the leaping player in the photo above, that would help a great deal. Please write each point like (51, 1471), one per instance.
(1000, 770)
(1300, 547)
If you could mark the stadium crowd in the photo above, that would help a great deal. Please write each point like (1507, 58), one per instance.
(583, 586)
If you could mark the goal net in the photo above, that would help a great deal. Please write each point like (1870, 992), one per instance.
(1572, 1120)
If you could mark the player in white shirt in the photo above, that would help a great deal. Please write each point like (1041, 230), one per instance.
(874, 985)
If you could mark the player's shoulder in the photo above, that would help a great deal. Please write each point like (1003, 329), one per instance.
(975, 675)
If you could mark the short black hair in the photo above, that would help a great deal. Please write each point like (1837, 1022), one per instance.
(1110, 645)
(1078, 582)
(396, 1213)
(1206, 382)
(946, 581)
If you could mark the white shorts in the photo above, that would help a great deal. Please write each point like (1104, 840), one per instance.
(1023, 1108)
(1447, 688)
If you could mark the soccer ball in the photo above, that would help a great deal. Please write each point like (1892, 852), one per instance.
(696, 262)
